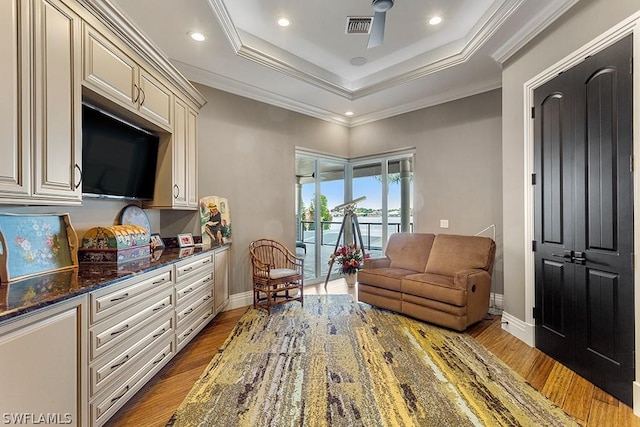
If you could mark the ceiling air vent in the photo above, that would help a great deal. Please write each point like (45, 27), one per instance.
(358, 25)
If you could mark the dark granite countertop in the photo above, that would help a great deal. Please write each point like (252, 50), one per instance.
(26, 295)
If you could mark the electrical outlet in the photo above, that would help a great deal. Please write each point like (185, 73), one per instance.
(444, 223)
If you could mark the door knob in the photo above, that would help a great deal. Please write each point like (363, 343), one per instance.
(579, 258)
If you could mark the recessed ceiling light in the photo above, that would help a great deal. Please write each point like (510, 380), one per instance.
(199, 37)
(435, 20)
(349, 113)
(284, 22)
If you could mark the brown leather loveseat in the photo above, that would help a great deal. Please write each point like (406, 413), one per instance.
(442, 279)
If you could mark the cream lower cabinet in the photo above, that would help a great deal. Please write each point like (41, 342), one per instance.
(194, 296)
(40, 120)
(221, 286)
(43, 366)
(131, 337)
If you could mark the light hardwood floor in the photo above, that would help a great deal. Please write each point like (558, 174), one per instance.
(156, 402)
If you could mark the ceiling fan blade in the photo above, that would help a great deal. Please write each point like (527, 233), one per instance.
(376, 36)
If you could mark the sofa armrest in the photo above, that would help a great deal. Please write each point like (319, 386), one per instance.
(381, 262)
(473, 280)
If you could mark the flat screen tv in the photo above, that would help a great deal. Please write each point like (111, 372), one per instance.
(118, 158)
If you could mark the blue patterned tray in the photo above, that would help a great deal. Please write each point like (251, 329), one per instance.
(36, 244)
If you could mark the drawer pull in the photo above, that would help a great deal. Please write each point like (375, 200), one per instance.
(206, 298)
(160, 307)
(188, 269)
(117, 365)
(157, 282)
(188, 333)
(115, 399)
(155, 362)
(160, 333)
(120, 298)
(206, 316)
(187, 291)
(120, 331)
(208, 279)
(188, 312)
(206, 261)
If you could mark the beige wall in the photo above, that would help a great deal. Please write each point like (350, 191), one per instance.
(457, 175)
(584, 22)
(247, 154)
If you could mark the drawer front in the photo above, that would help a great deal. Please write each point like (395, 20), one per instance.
(190, 329)
(113, 398)
(106, 302)
(192, 285)
(192, 265)
(108, 368)
(108, 334)
(185, 311)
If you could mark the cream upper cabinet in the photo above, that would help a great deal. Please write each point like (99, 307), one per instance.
(40, 109)
(14, 106)
(112, 73)
(176, 177)
(57, 126)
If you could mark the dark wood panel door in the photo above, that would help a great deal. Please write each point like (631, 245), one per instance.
(584, 219)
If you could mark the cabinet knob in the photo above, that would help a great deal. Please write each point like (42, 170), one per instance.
(176, 191)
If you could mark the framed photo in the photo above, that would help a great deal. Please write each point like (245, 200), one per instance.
(156, 242)
(186, 251)
(185, 240)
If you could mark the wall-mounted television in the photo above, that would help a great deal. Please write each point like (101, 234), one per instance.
(118, 158)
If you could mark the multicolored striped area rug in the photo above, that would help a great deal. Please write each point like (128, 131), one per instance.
(335, 362)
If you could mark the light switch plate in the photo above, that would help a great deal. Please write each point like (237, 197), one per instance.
(444, 223)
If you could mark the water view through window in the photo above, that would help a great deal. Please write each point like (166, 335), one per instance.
(387, 185)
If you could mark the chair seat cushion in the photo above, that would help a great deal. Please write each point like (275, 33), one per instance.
(386, 278)
(279, 273)
(435, 287)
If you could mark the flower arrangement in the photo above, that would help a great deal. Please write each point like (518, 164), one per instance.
(349, 258)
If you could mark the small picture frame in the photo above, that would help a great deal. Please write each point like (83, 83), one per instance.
(156, 242)
(185, 240)
(186, 251)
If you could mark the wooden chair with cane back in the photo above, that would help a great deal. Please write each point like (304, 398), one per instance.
(277, 274)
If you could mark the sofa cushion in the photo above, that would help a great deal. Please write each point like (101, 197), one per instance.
(409, 251)
(436, 287)
(451, 254)
(387, 278)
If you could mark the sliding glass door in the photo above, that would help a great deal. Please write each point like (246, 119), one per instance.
(321, 187)
(322, 183)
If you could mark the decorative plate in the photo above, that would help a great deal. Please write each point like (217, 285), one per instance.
(133, 215)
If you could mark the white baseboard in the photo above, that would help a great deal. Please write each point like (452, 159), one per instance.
(636, 398)
(522, 330)
(243, 299)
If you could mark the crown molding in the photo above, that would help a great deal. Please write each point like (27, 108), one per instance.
(426, 102)
(478, 38)
(543, 19)
(226, 84)
(235, 87)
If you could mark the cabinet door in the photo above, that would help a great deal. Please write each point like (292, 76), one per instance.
(221, 279)
(14, 106)
(57, 107)
(179, 140)
(109, 70)
(155, 99)
(42, 365)
(192, 158)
